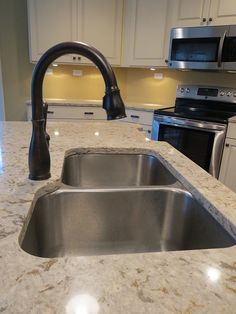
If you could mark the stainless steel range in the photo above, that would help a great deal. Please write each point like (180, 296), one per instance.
(197, 124)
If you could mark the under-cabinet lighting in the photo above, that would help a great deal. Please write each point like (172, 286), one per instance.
(153, 69)
(54, 64)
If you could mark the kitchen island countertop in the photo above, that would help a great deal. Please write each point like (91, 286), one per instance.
(197, 281)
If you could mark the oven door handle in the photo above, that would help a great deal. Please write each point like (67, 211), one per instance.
(196, 125)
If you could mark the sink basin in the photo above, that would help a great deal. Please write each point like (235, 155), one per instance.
(105, 170)
(94, 222)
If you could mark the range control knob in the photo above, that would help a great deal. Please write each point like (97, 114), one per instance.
(222, 93)
(229, 94)
(181, 90)
(187, 90)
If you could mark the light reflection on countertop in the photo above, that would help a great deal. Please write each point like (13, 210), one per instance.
(213, 274)
(82, 304)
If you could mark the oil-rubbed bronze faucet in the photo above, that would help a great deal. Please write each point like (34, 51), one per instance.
(39, 157)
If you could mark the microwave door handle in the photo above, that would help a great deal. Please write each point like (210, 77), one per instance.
(220, 50)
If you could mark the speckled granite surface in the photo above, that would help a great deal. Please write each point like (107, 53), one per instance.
(198, 281)
(98, 103)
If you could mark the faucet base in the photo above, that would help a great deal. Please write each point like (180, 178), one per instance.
(38, 178)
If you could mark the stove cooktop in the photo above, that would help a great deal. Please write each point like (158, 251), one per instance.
(197, 114)
(215, 104)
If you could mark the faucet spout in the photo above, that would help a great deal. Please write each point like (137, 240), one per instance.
(39, 157)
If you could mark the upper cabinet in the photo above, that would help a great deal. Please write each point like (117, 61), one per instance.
(50, 22)
(202, 12)
(222, 12)
(98, 23)
(146, 32)
(128, 33)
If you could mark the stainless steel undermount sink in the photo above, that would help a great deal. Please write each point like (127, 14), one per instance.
(118, 203)
(101, 221)
(107, 169)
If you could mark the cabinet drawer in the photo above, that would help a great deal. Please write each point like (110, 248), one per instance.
(231, 130)
(138, 116)
(76, 113)
(88, 113)
(61, 112)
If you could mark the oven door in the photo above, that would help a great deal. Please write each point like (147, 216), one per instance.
(200, 141)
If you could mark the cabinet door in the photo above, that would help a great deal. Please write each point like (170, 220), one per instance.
(222, 12)
(228, 165)
(189, 13)
(146, 32)
(50, 22)
(99, 23)
(138, 116)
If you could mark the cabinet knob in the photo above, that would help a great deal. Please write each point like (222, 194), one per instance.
(79, 58)
(204, 20)
(166, 61)
(210, 19)
(226, 145)
(74, 58)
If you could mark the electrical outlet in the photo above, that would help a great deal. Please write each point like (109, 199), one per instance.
(49, 71)
(158, 76)
(77, 72)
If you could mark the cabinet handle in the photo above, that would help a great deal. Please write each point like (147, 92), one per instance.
(149, 131)
(134, 116)
(88, 113)
(51, 112)
(204, 20)
(226, 145)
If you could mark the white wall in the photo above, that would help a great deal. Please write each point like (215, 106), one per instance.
(2, 107)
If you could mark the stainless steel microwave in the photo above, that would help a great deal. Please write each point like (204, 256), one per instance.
(203, 48)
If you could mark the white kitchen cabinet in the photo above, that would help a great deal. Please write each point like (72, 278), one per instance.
(50, 22)
(146, 32)
(186, 13)
(138, 116)
(98, 23)
(142, 117)
(228, 165)
(222, 12)
(69, 113)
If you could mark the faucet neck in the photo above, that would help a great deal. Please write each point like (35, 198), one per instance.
(57, 51)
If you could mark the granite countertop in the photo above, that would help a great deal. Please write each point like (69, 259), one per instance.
(98, 103)
(233, 119)
(197, 281)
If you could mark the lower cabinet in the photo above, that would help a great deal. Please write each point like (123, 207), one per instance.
(228, 165)
(75, 113)
(142, 117)
(65, 113)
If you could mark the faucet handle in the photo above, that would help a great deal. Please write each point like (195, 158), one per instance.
(45, 113)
